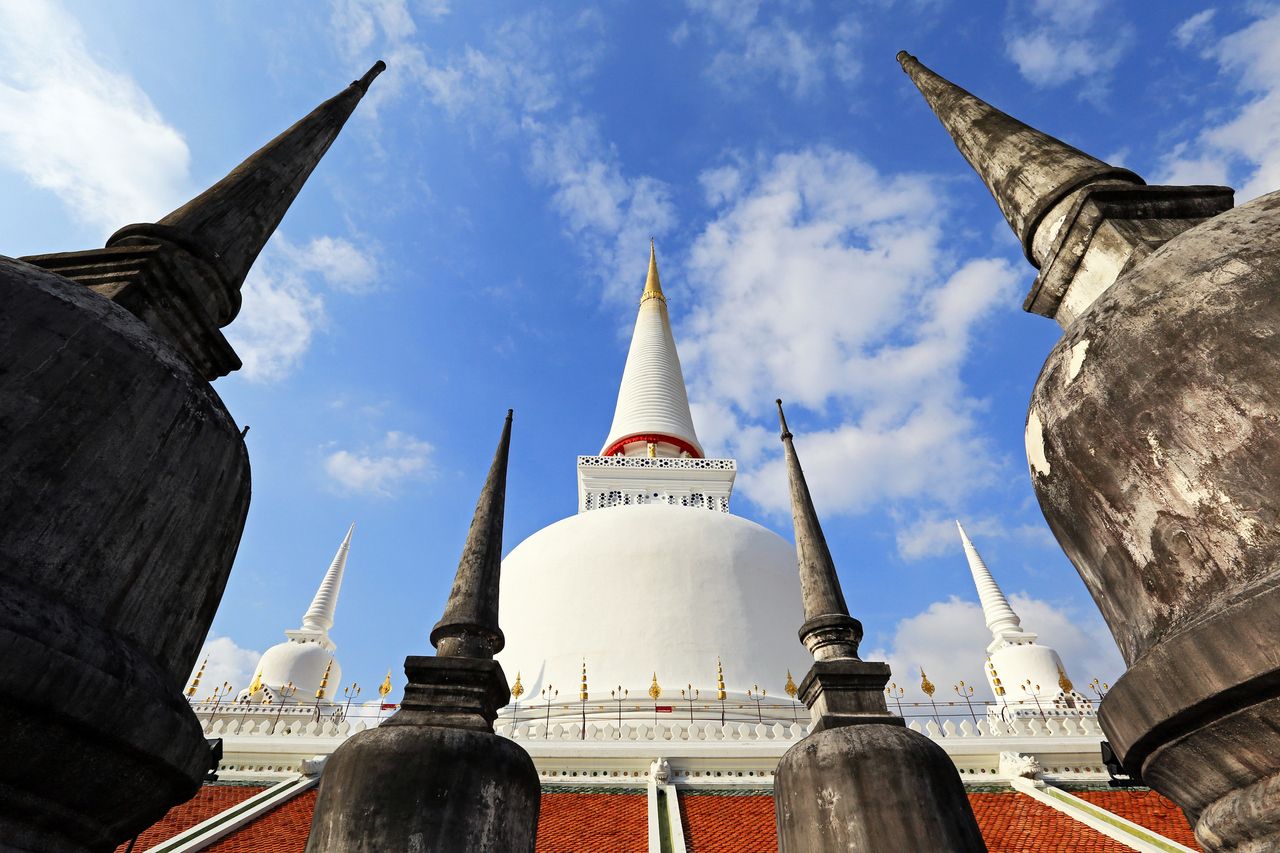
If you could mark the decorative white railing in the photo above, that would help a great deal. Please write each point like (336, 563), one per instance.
(778, 722)
(671, 462)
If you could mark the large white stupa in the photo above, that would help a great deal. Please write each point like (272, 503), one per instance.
(654, 580)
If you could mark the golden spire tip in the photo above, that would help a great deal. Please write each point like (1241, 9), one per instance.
(652, 285)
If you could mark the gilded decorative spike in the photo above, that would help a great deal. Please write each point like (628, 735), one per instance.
(195, 682)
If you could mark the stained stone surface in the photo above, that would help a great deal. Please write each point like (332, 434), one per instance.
(428, 788)
(1153, 439)
(125, 490)
(871, 788)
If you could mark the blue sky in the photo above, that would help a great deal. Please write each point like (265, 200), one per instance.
(477, 239)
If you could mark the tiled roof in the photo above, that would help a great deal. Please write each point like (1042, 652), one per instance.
(1015, 823)
(718, 823)
(1146, 808)
(208, 801)
(586, 823)
(281, 830)
(579, 821)
(1009, 822)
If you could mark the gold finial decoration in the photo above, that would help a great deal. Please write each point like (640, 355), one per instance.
(582, 691)
(324, 681)
(256, 684)
(720, 693)
(652, 287)
(791, 688)
(925, 684)
(1063, 681)
(195, 682)
(996, 684)
(517, 689)
(385, 687)
(654, 690)
(652, 449)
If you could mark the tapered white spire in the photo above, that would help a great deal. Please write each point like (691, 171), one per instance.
(1004, 624)
(319, 616)
(653, 406)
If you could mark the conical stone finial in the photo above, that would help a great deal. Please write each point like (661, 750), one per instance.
(1027, 171)
(182, 275)
(319, 616)
(829, 632)
(229, 223)
(469, 626)
(861, 781)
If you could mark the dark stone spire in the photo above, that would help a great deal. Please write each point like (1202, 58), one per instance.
(469, 626)
(182, 275)
(861, 781)
(229, 223)
(434, 774)
(1027, 171)
(829, 632)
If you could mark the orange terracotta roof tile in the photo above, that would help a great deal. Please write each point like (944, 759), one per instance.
(1015, 823)
(728, 823)
(208, 801)
(281, 830)
(593, 823)
(1146, 808)
(714, 822)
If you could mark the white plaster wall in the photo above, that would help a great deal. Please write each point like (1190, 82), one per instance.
(639, 589)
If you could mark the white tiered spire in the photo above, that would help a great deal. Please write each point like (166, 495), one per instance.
(1004, 624)
(319, 616)
(653, 406)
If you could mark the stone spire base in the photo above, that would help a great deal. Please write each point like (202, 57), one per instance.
(463, 693)
(862, 780)
(871, 788)
(434, 777)
(846, 693)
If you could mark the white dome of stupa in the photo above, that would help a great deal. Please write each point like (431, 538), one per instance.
(635, 590)
(301, 663)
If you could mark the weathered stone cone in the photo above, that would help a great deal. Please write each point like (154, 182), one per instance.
(124, 495)
(434, 777)
(1153, 441)
(862, 781)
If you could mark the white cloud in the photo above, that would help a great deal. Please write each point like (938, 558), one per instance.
(949, 641)
(357, 24)
(748, 47)
(338, 261)
(823, 281)
(1194, 28)
(1250, 139)
(227, 663)
(283, 307)
(280, 313)
(609, 214)
(932, 534)
(1057, 42)
(81, 130)
(515, 85)
(379, 469)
